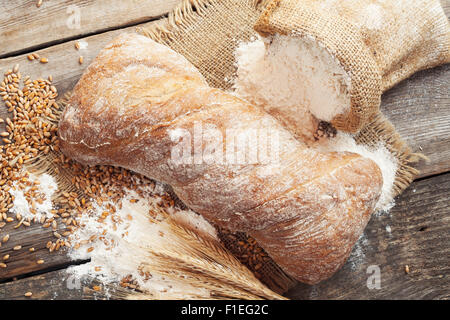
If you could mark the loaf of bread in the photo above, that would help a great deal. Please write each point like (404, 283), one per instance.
(139, 101)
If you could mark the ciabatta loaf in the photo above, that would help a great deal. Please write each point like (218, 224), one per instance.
(143, 107)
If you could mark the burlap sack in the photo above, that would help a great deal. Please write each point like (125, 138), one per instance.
(207, 33)
(378, 43)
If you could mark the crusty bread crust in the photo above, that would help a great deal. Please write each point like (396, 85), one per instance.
(306, 210)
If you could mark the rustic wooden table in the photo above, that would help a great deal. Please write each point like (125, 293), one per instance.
(415, 233)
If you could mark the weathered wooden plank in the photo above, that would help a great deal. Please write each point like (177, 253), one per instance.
(415, 233)
(60, 285)
(24, 26)
(419, 107)
(63, 65)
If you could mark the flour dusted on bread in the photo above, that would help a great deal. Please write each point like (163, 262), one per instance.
(307, 211)
(43, 187)
(378, 44)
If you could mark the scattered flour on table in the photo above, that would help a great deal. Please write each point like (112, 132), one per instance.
(46, 186)
(117, 237)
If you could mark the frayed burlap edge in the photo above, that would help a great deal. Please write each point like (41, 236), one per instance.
(188, 11)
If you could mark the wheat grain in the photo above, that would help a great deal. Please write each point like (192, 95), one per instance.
(32, 133)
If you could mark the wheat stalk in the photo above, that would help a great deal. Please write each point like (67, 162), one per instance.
(201, 261)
